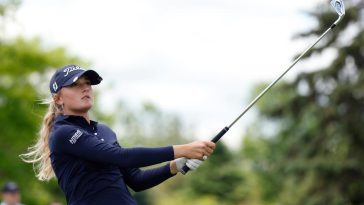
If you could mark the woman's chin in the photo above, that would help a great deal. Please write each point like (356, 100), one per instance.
(86, 107)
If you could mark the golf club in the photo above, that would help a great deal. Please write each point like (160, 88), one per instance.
(340, 9)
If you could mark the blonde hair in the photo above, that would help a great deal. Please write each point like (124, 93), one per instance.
(38, 154)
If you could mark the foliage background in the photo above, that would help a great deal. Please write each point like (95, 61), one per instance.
(305, 147)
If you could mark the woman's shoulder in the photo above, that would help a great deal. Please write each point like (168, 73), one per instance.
(63, 132)
(60, 129)
(103, 126)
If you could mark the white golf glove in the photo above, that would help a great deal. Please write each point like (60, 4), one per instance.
(193, 164)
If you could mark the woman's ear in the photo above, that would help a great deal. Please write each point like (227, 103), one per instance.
(58, 99)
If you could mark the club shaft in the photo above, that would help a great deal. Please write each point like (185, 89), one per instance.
(279, 77)
(185, 168)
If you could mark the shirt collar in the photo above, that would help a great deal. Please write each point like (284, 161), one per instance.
(79, 120)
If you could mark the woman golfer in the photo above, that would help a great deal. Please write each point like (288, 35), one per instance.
(90, 165)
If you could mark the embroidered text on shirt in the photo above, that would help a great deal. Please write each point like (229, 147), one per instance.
(75, 137)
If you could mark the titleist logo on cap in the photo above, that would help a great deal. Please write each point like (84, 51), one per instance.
(70, 69)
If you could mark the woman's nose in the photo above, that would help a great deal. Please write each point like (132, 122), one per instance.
(86, 87)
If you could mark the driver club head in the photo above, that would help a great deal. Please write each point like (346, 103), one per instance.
(338, 6)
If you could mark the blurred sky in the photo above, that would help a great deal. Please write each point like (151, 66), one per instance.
(196, 58)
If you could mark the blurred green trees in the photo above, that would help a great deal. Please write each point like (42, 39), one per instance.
(315, 154)
(24, 69)
(305, 148)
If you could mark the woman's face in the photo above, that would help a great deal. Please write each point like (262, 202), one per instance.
(76, 98)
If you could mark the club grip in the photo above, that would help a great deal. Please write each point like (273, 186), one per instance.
(221, 133)
(185, 168)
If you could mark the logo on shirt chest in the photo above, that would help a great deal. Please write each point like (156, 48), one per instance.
(75, 137)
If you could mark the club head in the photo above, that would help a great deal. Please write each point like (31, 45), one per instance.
(338, 6)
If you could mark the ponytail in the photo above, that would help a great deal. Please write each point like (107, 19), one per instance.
(38, 154)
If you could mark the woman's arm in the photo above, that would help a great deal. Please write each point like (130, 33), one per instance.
(194, 150)
(139, 180)
(86, 146)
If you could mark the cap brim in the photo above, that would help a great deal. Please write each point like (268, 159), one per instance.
(92, 75)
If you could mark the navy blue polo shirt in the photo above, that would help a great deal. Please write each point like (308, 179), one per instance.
(92, 168)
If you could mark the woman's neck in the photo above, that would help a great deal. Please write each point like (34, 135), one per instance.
(82, 114)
